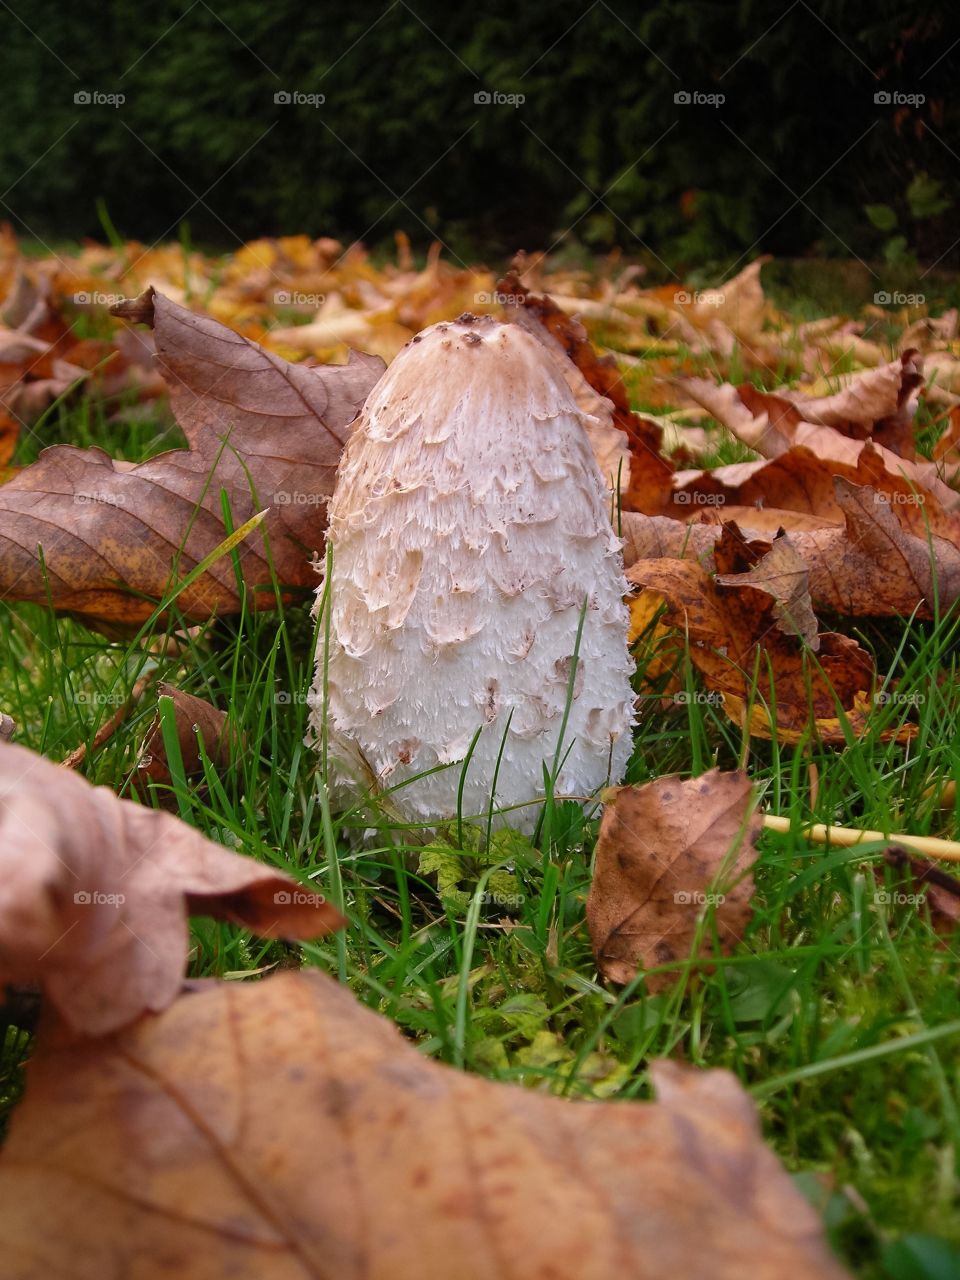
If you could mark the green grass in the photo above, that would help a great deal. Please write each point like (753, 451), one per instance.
(839, 1012)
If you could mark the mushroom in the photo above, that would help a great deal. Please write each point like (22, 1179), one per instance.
(476, 585)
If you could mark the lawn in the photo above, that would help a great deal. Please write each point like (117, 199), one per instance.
(839, 1011)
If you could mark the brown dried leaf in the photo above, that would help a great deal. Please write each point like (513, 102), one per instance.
(195, 719)
(280, 1130)
(891, 556)
(737, 642)
(116, 538)
(95, 893)
(774, 567)
(880, 402)
(774, 426)
(666, 850)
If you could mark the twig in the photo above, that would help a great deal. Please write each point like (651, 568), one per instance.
(947, 850)
(109, 727)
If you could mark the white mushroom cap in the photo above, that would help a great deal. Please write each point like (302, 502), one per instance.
(469, 527)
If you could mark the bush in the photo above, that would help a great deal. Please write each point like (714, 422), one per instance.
(599, 150)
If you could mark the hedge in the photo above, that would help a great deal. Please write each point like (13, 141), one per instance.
(185, 119)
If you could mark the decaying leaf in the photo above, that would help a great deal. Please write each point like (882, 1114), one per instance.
(774, 424)
(774, 567)
(95, 893)
(281, 1131)
(667, 850)
(196, 720)
(887, 557)
(745, 642)
(115, 538)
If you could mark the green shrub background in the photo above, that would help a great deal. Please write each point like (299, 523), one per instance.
(790, 163)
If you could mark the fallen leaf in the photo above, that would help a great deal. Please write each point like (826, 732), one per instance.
(95, 893)
(115, 538)
(666, 850)
(279, 1130)
(771, 682)
(888, 557)
(775, 427)
(774, 567)
(195, 719)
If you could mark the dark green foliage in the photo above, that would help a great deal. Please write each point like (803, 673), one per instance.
(599, 143)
